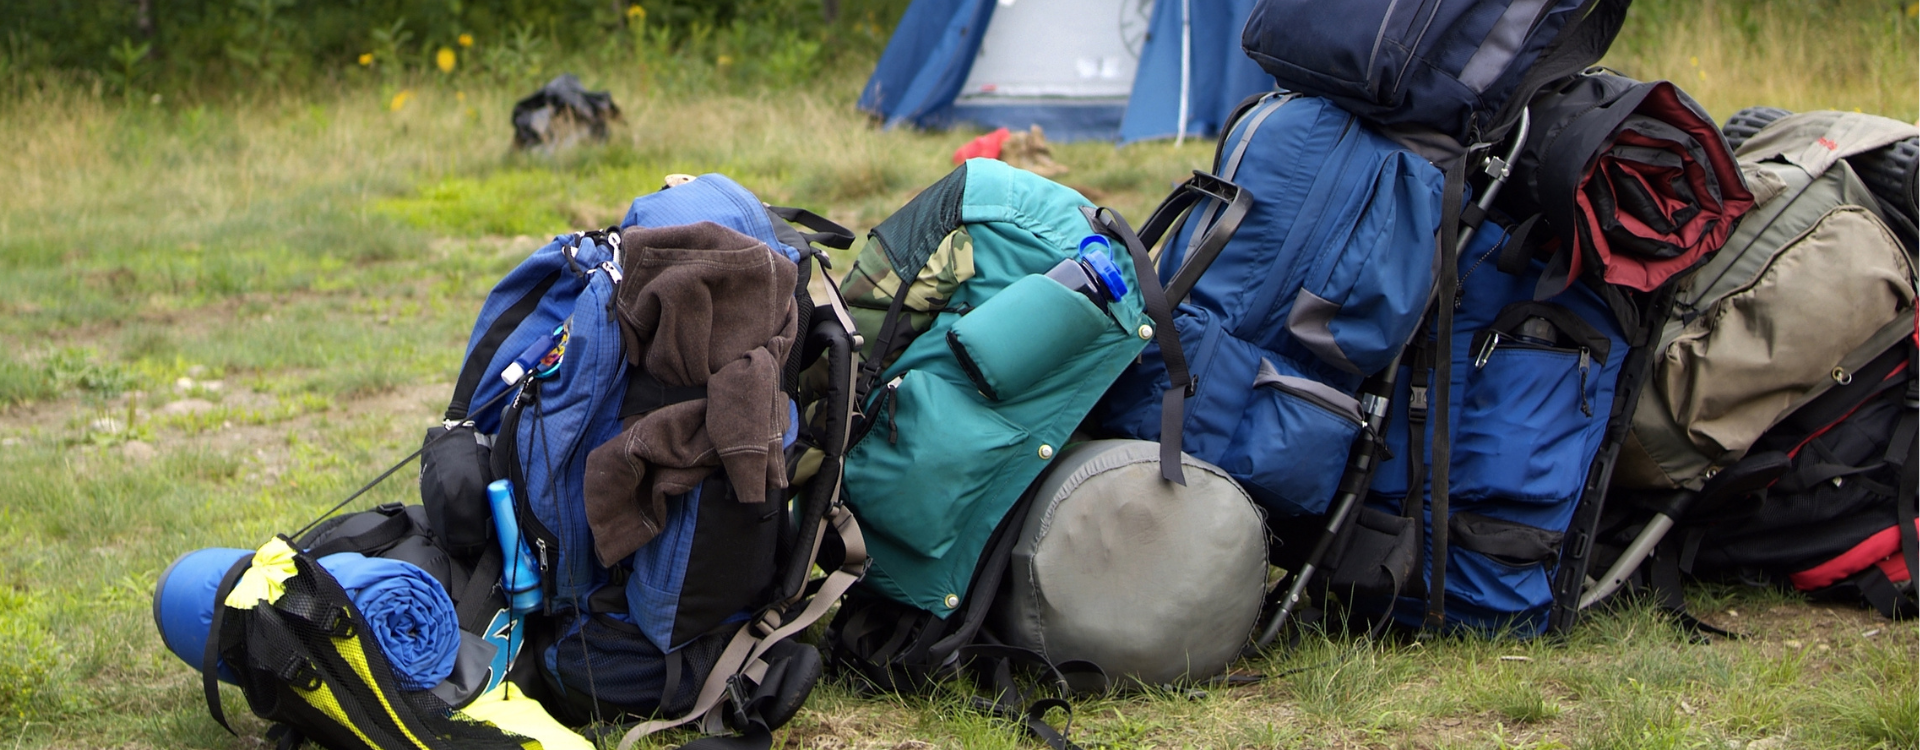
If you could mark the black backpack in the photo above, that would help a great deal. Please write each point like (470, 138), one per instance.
(1825, 501)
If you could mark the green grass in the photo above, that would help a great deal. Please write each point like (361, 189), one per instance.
(306, 267)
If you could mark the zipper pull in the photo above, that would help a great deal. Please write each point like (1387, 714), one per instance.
(893, 419)
(542, 544)
(1586, 360)
(1486, 350)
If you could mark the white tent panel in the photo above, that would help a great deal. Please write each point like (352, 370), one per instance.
(1081, 49)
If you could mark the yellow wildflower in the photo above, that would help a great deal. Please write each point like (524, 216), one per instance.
(400, 100)
(466, 40)
(460, 96)
(444, 60)
(724, 61)
(635, 13)
(366, 59)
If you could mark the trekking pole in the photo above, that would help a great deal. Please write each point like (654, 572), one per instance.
(1376, 394)
(1630, 559)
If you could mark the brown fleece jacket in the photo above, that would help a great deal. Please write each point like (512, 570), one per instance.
(700, 305)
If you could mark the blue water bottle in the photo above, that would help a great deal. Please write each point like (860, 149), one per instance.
(521, 574)
(1092, 273)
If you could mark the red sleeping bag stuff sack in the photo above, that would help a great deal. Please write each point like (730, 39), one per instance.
(1633, 179)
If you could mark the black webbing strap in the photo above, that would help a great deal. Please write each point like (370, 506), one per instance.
(1173, 402)
(646, 393)
(1880, 592)
(1010, 702)
(1419, 378)
(471, 609)
(1448, 286)
(474, 369)
(825, 231)
(1178, 204)
(1908, 506)
(210, 658)
(875, 364)
(383, 534)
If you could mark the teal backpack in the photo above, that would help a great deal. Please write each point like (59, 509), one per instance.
(975, 376)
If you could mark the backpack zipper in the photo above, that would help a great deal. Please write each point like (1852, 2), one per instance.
(1585, 359)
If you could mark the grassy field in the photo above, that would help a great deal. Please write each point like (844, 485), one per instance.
(227, 313)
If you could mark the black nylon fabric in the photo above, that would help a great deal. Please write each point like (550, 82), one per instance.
(1839, 488)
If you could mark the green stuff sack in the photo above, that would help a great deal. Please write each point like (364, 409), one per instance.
(940, 462)
(1154, 582)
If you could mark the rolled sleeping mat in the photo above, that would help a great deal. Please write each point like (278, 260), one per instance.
(1155, 582)
(183, 602)
(411, 617)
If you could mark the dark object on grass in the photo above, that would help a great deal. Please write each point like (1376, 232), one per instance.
(561, 113)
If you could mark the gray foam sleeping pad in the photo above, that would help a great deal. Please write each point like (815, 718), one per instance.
(1148, 579)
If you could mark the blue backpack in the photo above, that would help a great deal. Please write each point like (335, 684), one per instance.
(1464, 68)
(1316, 240)
(1535, 424)
(719, 591)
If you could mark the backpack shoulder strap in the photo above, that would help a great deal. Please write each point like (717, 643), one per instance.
(474, 368)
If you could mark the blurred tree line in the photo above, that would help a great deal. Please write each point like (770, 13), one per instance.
(142, 45)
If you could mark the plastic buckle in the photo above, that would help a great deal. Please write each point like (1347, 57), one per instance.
(340, 624)
(1417, 403)
(736, 703)
(299, 672)
(390, 509)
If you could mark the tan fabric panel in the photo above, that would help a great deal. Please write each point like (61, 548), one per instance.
(1732, 372)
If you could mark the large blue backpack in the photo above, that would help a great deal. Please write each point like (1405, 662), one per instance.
(718, 593)
(1536, 407)
(1304, 266)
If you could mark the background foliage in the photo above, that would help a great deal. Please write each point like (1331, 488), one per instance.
(206, 47)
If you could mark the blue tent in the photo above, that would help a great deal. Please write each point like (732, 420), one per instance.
(1105, 69)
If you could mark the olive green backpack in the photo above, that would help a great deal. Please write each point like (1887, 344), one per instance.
(1811, 286)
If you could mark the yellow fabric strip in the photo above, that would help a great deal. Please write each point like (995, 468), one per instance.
(324, 700)
(510, 710)
(350, 649)
(267, 579)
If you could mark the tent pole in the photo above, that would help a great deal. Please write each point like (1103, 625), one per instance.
(1186, 67)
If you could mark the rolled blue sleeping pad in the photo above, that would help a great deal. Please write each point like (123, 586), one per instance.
(183, 602)
(410, 615)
